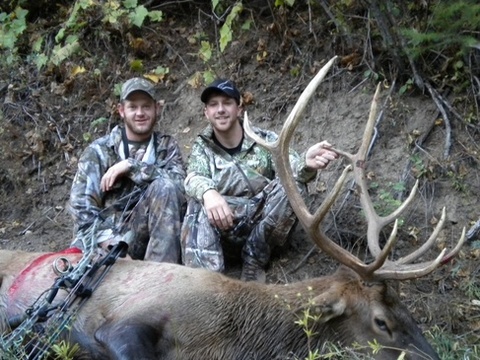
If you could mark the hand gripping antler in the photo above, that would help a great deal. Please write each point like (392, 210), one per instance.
(380, 268)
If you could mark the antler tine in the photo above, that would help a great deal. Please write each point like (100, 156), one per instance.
(280, 148)
(427, 245)
(381, 268)
(456, 249)
(375, 222)
(431, 240)
(413, 271)
(295, 115)
(280, 154)
(330, 198)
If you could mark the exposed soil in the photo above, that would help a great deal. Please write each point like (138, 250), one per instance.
(47, 122)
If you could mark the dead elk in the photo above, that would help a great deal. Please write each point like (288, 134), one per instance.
(144, 310)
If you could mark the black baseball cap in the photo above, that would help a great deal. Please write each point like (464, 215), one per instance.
(223, 86)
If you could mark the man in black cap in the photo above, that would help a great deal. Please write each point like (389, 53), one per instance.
(236, 203)
(129, 183)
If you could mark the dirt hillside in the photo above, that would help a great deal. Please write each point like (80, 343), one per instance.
(48, 119)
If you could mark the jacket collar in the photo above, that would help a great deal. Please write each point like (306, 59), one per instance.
(207, 134)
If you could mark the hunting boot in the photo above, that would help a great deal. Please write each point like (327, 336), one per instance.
(255, 255)
(253, 272)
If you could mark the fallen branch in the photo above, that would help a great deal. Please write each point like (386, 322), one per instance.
(448, 128)
(474, 232)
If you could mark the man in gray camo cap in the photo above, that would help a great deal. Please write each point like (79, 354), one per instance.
(236, 203)
(129, 183)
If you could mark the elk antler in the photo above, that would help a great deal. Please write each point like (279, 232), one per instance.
(380, 268)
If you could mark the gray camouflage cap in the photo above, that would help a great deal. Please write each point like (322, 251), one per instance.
(137, 84)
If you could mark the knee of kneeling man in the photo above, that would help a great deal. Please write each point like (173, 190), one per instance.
(163, 186)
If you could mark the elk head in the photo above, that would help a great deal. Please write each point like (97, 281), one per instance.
(381, 268)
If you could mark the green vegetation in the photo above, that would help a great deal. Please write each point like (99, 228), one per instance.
(452, 26)
(388, 197)
(82, 16)
(65, 351)
(450, 348)
(419, 168)
(432, 37)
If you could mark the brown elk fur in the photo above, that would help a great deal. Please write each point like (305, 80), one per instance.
(145, 310)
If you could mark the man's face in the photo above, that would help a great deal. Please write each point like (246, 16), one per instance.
(222, 112)
(139, 113)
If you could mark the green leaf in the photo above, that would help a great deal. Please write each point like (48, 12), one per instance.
(113, 16)
(247, 25)
(60, 35)
(205, 52)
(215, 4)
(138, 16)
(225, 36)
(130, 4)
(40, 60)
(226, 30)
(161, 70)
(279, 3)
(21, 13)
(7, 40)
(71, 39)
(100, 121)
(155, 15)
(37, 44)
(85, 4)
(61, 53)
(399, 186)
(208, 77)
(136, 65)
(87, 137)
(73, 15)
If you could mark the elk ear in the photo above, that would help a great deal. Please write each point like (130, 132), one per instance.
(325, 306)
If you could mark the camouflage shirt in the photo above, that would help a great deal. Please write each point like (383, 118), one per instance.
(210, 167)
(87, 200)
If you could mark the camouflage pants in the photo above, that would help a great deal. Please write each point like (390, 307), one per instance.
(260, 223)
(155, 223)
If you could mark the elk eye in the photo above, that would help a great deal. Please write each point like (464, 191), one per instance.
(382, 325)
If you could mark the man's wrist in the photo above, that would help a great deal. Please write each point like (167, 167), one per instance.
(208, 190)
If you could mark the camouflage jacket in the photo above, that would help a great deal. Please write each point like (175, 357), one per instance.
(209, 167)
(88, 201)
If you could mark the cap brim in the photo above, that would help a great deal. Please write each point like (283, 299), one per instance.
(207, 93)
(125, 97)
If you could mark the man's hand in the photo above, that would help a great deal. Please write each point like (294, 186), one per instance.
(218, 212)
(319, 155)
(113, 174)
